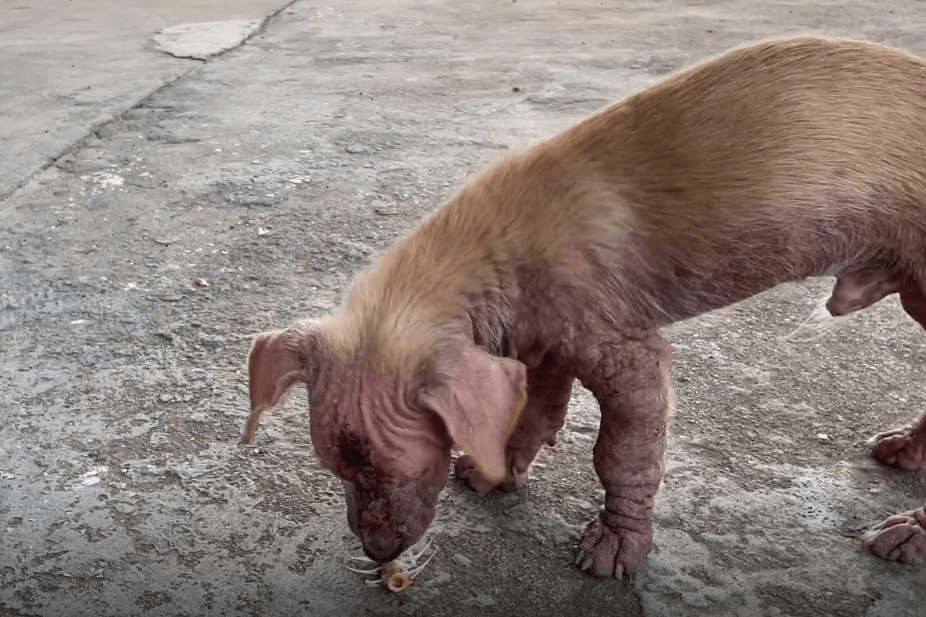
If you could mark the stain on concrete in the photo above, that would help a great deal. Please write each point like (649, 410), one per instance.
(202, 40)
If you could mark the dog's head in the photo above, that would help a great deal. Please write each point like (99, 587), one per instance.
(388, 435)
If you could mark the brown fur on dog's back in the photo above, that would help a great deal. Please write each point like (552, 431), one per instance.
(780, 159)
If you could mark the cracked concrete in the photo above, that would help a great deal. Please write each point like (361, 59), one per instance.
(176, 206)
(66, 71)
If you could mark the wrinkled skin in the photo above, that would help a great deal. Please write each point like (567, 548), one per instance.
(393, 471)
(900, 538)
(548, 390)
(393, 474)
(904, 448)
(390, 515)
(387, 436)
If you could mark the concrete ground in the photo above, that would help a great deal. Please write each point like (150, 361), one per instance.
(155, 211)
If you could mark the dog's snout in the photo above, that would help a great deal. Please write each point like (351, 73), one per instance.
(382, 549)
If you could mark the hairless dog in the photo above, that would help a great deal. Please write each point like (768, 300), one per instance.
(776, 161)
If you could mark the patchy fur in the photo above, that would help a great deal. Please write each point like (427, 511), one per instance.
(774, 162)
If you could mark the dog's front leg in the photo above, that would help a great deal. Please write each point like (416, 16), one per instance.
(631, 382)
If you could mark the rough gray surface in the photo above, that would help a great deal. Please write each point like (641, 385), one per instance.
(275, 171)
(69, 67)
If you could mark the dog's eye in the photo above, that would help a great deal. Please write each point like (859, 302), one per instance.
(347, 472)
(352, 455)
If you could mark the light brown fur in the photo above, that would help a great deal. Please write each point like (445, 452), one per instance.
(691, 182)
(777, 161)
(524, 209)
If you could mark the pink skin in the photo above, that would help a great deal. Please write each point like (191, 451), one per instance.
(627, 368)
(632, 391)
(900, 538)
(903, 448)
(387, 437)
(561, 331)
(392, 474)
(548, 391)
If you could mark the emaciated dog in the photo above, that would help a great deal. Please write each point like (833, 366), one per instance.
(777, 161)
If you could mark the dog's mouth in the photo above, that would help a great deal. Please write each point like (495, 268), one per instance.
(390, 514)
(382, 550)
(374, 522)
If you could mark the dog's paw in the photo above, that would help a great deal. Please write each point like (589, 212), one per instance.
(607, 552)
(465, 468)
(904, 448)
(900, 538)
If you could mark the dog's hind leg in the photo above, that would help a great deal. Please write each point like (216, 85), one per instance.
(905, 447)
(903, 537)
(548, 390)
(856, 289)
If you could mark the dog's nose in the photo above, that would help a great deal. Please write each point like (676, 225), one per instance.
(383, 549)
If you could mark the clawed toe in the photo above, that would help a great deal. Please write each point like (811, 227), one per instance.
(899, 538)
(465, 469)
(608, 553)
(904, 448)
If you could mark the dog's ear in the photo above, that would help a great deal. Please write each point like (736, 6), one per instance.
(480, 401)
(277, 360)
